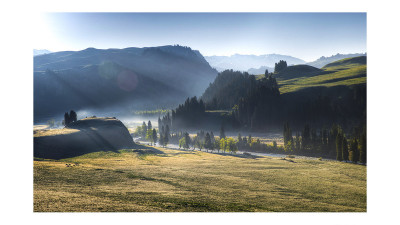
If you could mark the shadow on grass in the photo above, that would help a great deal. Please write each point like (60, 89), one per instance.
(245, 156)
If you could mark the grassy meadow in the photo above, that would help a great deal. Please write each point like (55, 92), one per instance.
(346, 77)
(162, 180)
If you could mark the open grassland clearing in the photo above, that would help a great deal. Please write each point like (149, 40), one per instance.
(158, 179)
(352, 76)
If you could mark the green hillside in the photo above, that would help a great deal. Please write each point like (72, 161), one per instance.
(350, 71)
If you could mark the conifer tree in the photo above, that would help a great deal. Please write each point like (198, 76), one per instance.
(154, 136)
(149, 127)
(144, 130)
(66, 119)
(345, 149)
(354, 149)
(207, 141)
(72, 116)
(222, 132)
(339, 146)
(363, 147)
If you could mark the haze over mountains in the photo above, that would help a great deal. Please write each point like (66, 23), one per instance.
(246, 62)
(40, 52)
(136, 78)
(321, 62)
(141, 78)
(257, 64)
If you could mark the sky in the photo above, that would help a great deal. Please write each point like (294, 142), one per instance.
(304, 35)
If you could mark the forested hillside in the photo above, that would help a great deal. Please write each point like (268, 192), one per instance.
(298, 94)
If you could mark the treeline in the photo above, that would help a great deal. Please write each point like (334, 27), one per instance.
(332, 143)
(69, 118)
(189, 114)
(260, 107)
(257, 105)
(226, 90)
(253, 103)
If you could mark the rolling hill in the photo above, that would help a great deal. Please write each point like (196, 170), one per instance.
(322, 61)
(347, 72)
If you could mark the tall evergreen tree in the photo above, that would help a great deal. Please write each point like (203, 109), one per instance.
(66, 119)
(73, 116)
(306, 139)
(144, 130)
(154, 136)
(363, 147)
(222, 132)
(207, 141)
(354, 150)
(345, 149)
(339, 146)
(149, 127)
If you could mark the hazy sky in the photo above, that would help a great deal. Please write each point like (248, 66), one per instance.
(304, 35)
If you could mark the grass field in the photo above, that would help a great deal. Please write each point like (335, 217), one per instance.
(346, 72)
(158, 179)
(347, 77)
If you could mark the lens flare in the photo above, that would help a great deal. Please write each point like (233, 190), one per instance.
(127, 80)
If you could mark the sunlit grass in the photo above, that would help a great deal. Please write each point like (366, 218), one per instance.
(196, 181)
(351, 76)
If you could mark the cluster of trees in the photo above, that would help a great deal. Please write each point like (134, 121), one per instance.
(281, 65)
(255, 145)
(331, 143)
(226, 90)
(165, 121)
(69, 118)
(260, 107)
(189, 114)
(164, 136)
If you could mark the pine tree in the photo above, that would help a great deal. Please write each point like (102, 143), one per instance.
(345, 149)
(207, 141)
(222, 132)
(154, 136)
(73, 116)
(305, 138)
(149, 127)
(363, 147)
(66, 119)
(187, 139)
(339, 145)
(144, 130)
(354, 149)
(212, 138)
(161, 140)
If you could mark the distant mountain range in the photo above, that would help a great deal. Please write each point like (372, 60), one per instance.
(321, 62)
(136, 77)
(40, 52)
(257, 64)
(249, 62)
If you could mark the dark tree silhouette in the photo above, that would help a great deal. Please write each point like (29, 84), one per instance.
(280, 66)
(222, 132)
(154, 136)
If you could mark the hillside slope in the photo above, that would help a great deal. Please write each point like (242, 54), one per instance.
(347, 72)
(135, 77)
(81, 137)
(321, 62)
